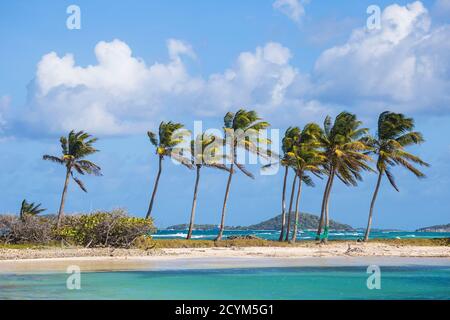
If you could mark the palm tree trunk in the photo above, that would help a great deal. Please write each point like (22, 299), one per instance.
(322, 211)
(283, 205)
(294, 235)
(288, 229)
(194, 203)
(63, 199)
(227, 192)
(327, 217)
(372, 205)
(155, 188)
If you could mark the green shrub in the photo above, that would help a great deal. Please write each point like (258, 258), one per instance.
(100, 229)
(114, 229)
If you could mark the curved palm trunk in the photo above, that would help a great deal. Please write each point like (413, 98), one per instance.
(322, 211)
(294, 235)
(288, 229)
(372, 205)
(227, 192)
(63, 199)
(327, 217)
(155, 188)
(283, 206)
(194, 204)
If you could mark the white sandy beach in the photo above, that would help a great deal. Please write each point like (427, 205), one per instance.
(52, 259)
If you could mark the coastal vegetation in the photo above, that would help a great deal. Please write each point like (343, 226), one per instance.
(99, 229)
(341, 149)
(395, 132)
(167, 139)
(75, 147)
(204, 152)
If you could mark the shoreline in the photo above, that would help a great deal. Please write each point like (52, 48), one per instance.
(333, 254)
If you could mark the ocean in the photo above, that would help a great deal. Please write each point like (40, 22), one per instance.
(302, 235)
(402, 282)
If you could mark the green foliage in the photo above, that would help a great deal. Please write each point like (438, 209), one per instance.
(242, 130)
(75, 147)
(395, 133)
(115, 229)
(100, 229)
(30, 209)
(344, 147)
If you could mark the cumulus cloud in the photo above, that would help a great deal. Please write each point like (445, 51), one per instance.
(294, 9)
(405, 64)
(121, 94)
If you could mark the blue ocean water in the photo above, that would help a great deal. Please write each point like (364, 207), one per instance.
(405, 282)
(302, 235)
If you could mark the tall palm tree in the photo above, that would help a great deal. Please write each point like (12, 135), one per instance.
(241, 130)
(395, 133)
(204, 152)
(290, 137)
(166, 142)
(305, 157)
(75, 147)
(344, 147)
(30, 209)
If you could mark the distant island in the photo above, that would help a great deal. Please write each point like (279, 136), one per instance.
(438, 228)
(307, 222)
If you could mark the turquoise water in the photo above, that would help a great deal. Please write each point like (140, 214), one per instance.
(406, 282)
(302, 235)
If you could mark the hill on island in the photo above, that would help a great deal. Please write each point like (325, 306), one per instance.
(438, 228)
(307, 221)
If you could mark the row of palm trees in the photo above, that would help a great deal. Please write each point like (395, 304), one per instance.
(340, 149)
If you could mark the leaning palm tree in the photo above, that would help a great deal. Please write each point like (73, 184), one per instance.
(290, 137)
(242, 132)
(305, 157)
(30, 209)
(345, 152)
(204, 153)
(395, 132)
(168, 139)
(75, 147)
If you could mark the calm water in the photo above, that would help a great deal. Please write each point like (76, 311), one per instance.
(304, 235)
(406, 282)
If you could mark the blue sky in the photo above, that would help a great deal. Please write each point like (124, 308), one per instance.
(135, 63)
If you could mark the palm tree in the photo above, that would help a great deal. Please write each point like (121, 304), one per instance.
(75, 147)
(30, 209)
(305, 156)
(241, 130)
(204, 152)
(290, 138)
(166, 144)
(395, 132)
(345, 152)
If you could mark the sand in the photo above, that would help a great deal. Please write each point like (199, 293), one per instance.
(55, 259)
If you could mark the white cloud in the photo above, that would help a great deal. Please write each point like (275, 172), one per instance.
(294, 9)
(121, 94)
(405, 63)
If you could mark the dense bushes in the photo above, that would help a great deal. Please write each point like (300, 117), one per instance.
(100, 229)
